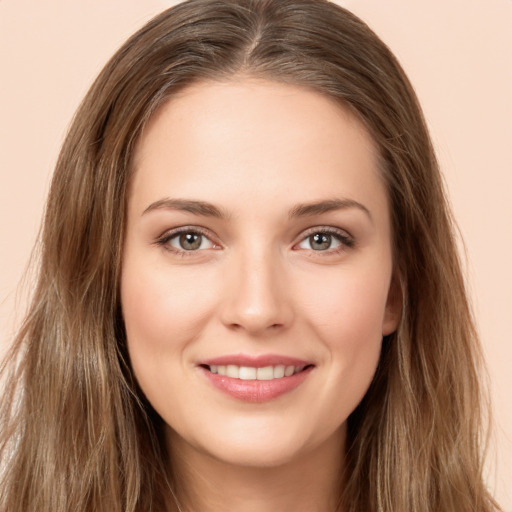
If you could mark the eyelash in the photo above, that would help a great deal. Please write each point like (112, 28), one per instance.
(345, 239)
(164, 240)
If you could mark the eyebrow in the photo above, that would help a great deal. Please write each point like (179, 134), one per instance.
(187, 205)
(317, 208)
(206, 209)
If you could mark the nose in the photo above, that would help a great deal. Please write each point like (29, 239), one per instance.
(258, 298)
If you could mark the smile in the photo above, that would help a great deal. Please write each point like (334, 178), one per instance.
(256, 379)
(252, 373)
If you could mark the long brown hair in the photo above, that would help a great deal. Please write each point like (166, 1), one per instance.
(77, 433)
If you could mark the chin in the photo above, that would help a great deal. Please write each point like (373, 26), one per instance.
(255, 445)
(273, 453)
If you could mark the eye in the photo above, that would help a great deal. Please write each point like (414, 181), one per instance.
(325, 239)
(188, 240)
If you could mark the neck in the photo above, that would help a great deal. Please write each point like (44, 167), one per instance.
(309, 483)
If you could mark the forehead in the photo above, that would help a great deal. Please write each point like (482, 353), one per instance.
(251, 138)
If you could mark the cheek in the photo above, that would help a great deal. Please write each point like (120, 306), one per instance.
(344, 316)
(350, 307)
(347, 316)
(162, 312)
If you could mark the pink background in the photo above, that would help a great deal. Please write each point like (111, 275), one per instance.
(458, 54)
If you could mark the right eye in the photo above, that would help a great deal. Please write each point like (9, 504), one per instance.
(186, 241)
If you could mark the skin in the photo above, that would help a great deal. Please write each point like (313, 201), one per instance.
(257, 285)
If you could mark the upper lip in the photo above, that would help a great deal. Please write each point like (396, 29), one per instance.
(259, 361)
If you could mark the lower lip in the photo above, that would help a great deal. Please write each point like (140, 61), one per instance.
(257, 390)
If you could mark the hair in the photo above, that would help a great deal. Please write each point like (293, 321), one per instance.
(77, 433)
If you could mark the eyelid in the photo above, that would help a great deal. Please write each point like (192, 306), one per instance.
(342, 235)
(168, 235)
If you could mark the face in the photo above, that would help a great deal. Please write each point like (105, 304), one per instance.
(256, 270)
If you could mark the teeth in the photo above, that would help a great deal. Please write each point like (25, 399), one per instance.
(265, 373)
(289, 370)
(279, 371)
(233, 371)
(251, 373)
(247, 373)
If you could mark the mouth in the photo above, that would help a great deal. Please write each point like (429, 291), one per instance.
(256, 379)
(267, 373)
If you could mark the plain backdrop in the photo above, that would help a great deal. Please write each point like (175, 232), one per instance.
(457, 53)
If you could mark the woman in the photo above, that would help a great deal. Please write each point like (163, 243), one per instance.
(249, 292)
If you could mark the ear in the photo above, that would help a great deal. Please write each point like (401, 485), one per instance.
(394, 304)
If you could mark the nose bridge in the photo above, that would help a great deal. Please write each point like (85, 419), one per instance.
(258, 296)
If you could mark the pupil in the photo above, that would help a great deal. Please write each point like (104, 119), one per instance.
(190, 241)
(320, 241)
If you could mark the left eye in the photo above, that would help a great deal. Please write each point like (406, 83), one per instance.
(189, 241)
(321, 241)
